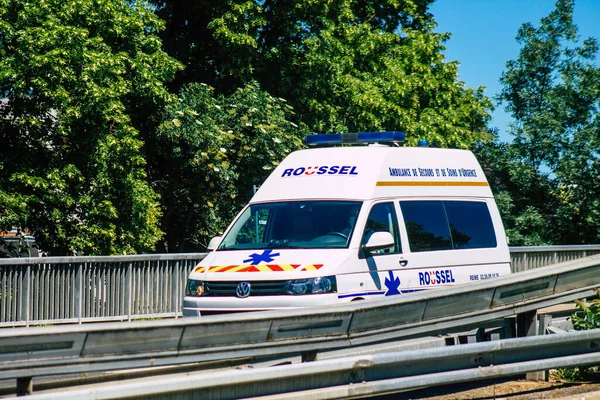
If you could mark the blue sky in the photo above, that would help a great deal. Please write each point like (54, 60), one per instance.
(483, 37)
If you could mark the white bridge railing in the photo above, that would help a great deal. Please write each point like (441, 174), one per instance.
(55, 290)
(531, 257)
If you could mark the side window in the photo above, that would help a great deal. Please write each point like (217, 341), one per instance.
(426, 225)
(471, 224)
(382, 218)
(448, 225)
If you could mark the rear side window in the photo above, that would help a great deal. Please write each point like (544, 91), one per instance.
(470, 224)
(448, 225)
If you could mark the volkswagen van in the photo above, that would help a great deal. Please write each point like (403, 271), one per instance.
(364, 220)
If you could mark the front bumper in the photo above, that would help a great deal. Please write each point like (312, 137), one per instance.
(197, 306)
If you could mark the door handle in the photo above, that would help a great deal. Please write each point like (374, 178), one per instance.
(403, 263)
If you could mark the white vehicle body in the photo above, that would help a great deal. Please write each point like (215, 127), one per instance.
(288, 242)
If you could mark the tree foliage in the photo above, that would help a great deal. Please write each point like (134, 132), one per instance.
(343, 65)
(523, 209)
(212, 150)
(552, 91)
(74, 75)
(98, 157)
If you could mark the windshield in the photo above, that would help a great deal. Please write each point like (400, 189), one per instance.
(293, 224)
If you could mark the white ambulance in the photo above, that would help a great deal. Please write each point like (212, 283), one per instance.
(339, 224)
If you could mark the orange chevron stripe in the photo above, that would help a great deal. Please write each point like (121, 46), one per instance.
(288, 267)
(238, 268)
(259, 268)
(312, 267)
(222, 268)
(264, 268)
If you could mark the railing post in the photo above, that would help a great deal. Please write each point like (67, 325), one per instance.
(25, 295)
(175, 283)
(128, 289)
(78, 292)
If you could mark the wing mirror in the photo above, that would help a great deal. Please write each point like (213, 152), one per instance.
(378, 241)
(214, 243)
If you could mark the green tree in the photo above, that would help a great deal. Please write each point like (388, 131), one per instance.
(552, 91)
(212, 149)
(343, 65)
(79, 79)
(523, 208)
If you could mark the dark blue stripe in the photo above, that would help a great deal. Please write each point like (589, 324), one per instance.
(402, 291)
(343, 296)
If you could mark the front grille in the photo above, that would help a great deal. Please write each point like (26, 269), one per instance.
(258, 288)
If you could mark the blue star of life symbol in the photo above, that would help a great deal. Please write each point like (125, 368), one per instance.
(266, 256)
(392, 283)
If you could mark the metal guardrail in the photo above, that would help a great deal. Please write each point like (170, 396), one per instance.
(55, 290)
(366, 375)
(26, 352)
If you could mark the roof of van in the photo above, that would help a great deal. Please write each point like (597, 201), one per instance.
(369, 172)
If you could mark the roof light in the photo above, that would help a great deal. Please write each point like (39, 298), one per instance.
(423, 143)
(354, 138)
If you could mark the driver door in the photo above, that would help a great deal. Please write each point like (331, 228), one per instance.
(383, 265)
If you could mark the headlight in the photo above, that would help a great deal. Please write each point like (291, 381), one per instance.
(324, 284)
(194, 288)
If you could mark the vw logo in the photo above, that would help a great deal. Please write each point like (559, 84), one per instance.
(243, 289)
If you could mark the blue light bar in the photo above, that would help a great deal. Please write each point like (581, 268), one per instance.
(354, 138)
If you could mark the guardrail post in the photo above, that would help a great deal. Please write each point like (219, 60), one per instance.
(24, 386)
(509, 326)
(544, 322)
(309, 355)
(527, 325)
